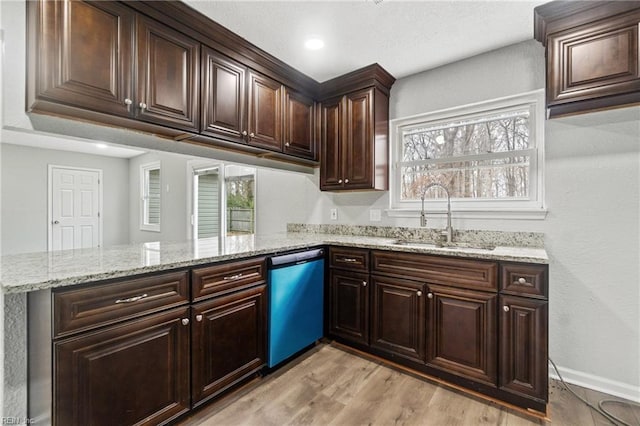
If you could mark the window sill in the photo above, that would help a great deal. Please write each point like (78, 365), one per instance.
(480, 214)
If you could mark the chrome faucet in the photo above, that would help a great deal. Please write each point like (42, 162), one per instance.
(423, 216)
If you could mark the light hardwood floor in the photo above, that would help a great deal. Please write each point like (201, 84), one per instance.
(330, 386)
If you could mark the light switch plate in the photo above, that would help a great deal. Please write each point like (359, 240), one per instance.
(333, 214)
(375, 215)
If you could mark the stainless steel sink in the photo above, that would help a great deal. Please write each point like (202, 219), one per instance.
(443, 245)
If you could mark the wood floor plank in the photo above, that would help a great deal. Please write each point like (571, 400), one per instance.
(331, 386)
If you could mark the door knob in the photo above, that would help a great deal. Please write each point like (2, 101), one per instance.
(55, 222)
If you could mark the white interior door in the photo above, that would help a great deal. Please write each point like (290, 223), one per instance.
(75, 208)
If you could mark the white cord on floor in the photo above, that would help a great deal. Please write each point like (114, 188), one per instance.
(600, 408)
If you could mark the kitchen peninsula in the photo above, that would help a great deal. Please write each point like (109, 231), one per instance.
(99, 311)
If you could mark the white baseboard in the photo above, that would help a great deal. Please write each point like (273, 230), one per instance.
(600, 384)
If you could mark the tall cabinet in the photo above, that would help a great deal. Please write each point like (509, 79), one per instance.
(354, 127)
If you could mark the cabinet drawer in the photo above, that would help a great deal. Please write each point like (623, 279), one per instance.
(349, 258)
(220, 279)
(463, 273)
(97, 305)
(524, 279)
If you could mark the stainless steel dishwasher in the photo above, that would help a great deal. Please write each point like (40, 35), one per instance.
(296, 300)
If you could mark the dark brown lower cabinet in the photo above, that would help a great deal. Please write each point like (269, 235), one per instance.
(523, 346)
(462, 333)
(228, 341)
(398, 317)
(349, 306)
(132, 373)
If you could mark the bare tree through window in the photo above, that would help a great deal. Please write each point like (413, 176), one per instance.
(480, 158)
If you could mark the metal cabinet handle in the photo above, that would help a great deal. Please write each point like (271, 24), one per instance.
(132, 299)
(199, 317)
(349, 259)
(128, 101)
(505, 308)
(185, 321)
(339, 180)
(232, 277)
(430, 295)
(287, 144)
(522, 280)
(419, 293)
(244, 133)
(346, 181)
(142, 106)
(364, 283)
(252, 135)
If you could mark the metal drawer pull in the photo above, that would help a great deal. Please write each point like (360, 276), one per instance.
(364, 283)
(505, 308)
(132, 299)
(199, 317)
(232, 277)
(185, 321)
(349, 259)
(522, 281)
(419, 293)
(430, 295)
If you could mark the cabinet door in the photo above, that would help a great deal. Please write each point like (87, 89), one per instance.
(137, 373)
(462, 333)
(594, 60)
(398, 317)
(265, 112)
(228, 341)
(349, 306)
(168, 76)
(358, 145)
(330, 145)
(523, 346)
(299, 131)
(223, 97)
(85, 56)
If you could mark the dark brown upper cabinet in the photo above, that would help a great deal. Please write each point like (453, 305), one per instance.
(168, 76)
(82, 55)
(223, 97)
(354, 131)
(163, 68)
(592, 54)
(265, 112)
(299, 125)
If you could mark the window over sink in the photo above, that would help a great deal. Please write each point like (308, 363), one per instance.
(489, 155)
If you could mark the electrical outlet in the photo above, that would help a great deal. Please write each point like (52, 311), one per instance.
(333, 214)
(375, 215)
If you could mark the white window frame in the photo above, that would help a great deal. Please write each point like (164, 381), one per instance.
(531, 208)
(144, 168)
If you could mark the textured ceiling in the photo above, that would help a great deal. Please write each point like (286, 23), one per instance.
(404, 37)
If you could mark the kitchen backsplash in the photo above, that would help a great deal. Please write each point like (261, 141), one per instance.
(498, 238)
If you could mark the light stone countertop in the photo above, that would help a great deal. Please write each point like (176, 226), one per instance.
(27, 272)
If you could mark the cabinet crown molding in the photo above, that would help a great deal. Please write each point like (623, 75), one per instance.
(558, 16)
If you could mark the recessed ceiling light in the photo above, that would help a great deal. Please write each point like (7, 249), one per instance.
(314, 43)
(102, 145)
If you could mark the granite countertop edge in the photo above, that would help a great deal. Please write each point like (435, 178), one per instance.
(13, 281)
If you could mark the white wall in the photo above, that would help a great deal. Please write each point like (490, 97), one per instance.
(592, 228)
(24, 195)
